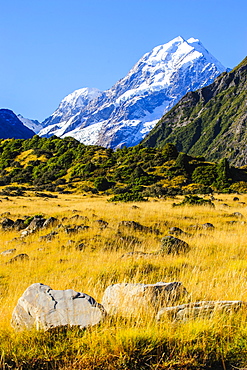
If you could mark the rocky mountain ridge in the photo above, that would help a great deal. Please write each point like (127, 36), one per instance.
(124, 114)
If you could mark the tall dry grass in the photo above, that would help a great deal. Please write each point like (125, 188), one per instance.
(215, 268)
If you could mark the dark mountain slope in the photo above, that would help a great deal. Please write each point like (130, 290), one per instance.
(11, 127)
(210, 121)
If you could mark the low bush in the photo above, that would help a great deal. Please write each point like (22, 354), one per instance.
(194, 200)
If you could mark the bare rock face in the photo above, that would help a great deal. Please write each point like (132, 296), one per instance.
(126, 298)
(41, 307)
(201, 309)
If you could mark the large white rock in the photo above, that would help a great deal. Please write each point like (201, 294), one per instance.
(201, 309)
(44, 308)
(126, 298)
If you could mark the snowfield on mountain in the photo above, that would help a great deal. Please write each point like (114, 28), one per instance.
(124, 114)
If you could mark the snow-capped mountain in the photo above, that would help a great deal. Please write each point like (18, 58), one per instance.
(124, 114)
(32, 124)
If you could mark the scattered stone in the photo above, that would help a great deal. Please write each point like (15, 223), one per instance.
(26, 233)
(208, 226)
(195, 227)
(8, 251)
(237, 214)
(137, 254)
(48, 237)
(7, 223)
(129, 298)
(176, 231)
(102, 224)
(235, 199)
(19, 257)
(36, 224)
(19, 224)
(41, 307)
(231, 222)
(132, 225)
(76, 229)
(135, 207)
(5, 214)
(59, 227)
(51, 221)
(78, 217)
(202, 309)
(136, 226)
(128, 239)
(172, 245)
(80, 247)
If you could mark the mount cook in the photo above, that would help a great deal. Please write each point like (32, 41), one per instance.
(125, 114)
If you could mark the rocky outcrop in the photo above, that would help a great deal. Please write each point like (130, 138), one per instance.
(41, 307)
(130, 298)
(201, 309)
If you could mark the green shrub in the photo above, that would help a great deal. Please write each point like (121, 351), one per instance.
(205, 175)
(169, 152)
(194, 200)
(101, 183)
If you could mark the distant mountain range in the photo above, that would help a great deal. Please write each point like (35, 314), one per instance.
(12, 127)
(209, 122)
(124, 114)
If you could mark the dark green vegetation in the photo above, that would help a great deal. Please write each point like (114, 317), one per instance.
(130, 174)
(210, 121)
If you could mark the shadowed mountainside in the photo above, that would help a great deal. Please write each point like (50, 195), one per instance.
(210, 121)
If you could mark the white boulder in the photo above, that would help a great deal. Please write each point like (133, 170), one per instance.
(126, 298)
(44, 308)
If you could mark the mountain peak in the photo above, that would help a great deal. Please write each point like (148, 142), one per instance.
(124, 114)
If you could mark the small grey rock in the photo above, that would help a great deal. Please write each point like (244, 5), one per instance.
(8, 251)
(237, 214)
(172, 245)
(208, 226)
(19, 257)
(7, 223)
(51, 221)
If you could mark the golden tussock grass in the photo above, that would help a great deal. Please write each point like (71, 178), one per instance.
(215, 268)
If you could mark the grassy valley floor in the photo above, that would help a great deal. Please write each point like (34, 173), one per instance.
(215, 268)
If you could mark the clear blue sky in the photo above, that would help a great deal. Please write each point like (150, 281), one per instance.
(50, 48)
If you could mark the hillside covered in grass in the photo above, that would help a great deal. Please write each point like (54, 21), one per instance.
(65, 166)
